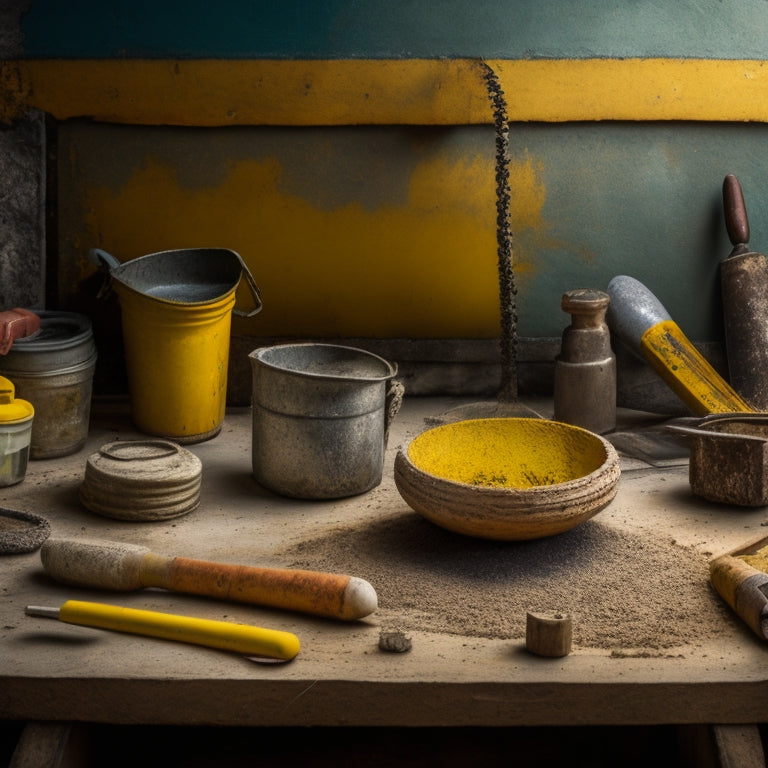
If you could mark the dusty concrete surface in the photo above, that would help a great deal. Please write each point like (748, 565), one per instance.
(53, 671)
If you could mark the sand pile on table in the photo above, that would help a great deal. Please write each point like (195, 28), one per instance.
(622, 589)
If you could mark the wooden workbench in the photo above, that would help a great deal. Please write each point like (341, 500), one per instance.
(50, 671)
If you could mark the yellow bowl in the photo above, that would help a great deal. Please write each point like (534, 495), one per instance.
(508, 478)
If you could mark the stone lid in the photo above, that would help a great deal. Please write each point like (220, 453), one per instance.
(138, 480)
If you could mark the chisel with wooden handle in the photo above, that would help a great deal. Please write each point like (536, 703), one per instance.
(640, 320)
(223, 635)
(744, 588)
(127, 567)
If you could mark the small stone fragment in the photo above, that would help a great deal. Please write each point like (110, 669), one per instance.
(394, 642)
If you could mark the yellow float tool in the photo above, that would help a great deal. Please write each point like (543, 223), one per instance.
(237, 638)
(640, 320)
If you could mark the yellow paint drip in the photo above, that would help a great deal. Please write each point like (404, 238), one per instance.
(511, 453)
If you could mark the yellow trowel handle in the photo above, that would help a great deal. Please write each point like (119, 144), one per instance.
(238, 638)
(687, 372)
(642, 322)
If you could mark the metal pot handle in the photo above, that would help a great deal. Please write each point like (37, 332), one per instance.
(695, 432)
(393, 399)
(253, 288)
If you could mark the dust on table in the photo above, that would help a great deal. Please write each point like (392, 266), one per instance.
(622, 589)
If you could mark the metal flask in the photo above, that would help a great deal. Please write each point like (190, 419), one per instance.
(744, 287)
(585, 370)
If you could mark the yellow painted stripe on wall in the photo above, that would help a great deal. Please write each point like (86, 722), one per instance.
(421, 91)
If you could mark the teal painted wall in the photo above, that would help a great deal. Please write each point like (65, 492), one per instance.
(719, 29)
(615, 198)
(643, 200)
(636, 198)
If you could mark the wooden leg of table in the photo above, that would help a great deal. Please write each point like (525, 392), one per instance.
(41, 745)
(739, 746)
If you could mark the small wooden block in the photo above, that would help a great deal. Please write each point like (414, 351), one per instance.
(548, 634)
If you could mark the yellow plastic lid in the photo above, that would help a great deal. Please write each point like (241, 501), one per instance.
(13, 409)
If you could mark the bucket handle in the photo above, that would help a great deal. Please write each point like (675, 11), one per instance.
(256, 295)
(106, 262)
(103, 259)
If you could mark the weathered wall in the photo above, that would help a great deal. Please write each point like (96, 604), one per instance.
(340, 29)
(22, 213)
(22, 188)
(346, 150)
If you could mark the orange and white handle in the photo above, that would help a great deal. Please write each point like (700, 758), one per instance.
(124, 567)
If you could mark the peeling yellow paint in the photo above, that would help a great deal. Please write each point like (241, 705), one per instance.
(530, 230)
(426, 267)
(528, 194)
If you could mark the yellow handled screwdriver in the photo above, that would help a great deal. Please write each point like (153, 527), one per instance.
(237, 638)
(640, 320)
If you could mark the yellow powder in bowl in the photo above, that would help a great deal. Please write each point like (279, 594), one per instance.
(507, 452)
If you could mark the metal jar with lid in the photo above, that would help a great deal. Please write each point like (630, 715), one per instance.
(53, 369)
(142, 480)
(16, 419)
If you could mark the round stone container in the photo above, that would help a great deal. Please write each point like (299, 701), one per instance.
(142, 480)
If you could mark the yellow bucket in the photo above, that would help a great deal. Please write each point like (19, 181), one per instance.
(176, 309)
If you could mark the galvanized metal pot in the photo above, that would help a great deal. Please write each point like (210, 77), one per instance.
(320, 419)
